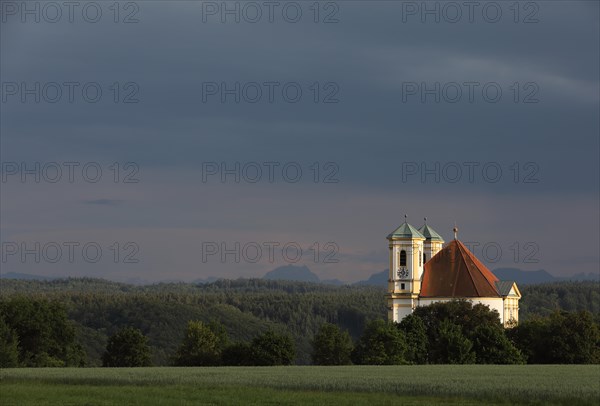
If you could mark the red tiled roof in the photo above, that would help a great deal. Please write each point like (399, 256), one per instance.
(456, 272)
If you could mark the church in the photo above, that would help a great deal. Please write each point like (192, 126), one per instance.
(424, 271)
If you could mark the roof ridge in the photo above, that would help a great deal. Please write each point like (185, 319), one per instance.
(474, 260)
(430, 233)
(460, 249)
(458, 273)
(406, 230)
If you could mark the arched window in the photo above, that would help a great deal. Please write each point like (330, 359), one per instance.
(402, 258)
(424, 257)
(420, 259)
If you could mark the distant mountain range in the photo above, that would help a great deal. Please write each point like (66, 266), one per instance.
(298, 273)
(377, 279)
(304, 274)
(26, 276)
(541, 276)
(292, 273)
(506, 274)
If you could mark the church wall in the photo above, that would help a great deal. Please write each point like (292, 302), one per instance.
(511, 309)
(401, 312)
(430, 248)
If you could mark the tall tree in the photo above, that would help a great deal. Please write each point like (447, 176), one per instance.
(461, 332)
(451, 346)
(574, 338)
(271, 348)
(331, 346)
(491, 346)
(9, 350)
(201, 345)
(531, 338)
(382, 343)
(127, 348)
(416, 339)
(462, 313)
(561, 338)
(46, 336)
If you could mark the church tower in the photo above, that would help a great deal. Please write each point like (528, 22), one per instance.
(433, 242)
(406, 269)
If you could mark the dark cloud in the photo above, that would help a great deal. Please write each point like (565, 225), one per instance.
(372, 134)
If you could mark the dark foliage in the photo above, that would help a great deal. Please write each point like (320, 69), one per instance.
(127, 348)
(417, 342)
(459, 332)
(9, 346)
(382, 343)
(545, 299)
(45, 337)
(561, 338)
(68, 322)
(202, 345)
(245, 307)
(271, 348)
(237, 354)
(332, 346)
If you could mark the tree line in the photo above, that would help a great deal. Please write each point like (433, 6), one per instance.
(37, 333)
(76, 323)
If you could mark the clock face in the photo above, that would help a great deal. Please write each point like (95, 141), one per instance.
(402, 273)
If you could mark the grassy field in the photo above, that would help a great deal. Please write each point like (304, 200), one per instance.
(373, 385)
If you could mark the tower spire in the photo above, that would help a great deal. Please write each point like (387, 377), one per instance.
(455, 229)
(405, 218)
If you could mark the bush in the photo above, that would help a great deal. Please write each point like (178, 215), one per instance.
(270, 348)
(127, 348)
(237, 354)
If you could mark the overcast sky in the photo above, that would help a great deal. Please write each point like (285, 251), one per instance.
(488, 117)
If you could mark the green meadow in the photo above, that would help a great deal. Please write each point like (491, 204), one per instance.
(411, 385)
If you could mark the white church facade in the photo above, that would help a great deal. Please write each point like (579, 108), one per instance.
(424, 271)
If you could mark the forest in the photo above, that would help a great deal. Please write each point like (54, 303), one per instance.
(90, 312)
